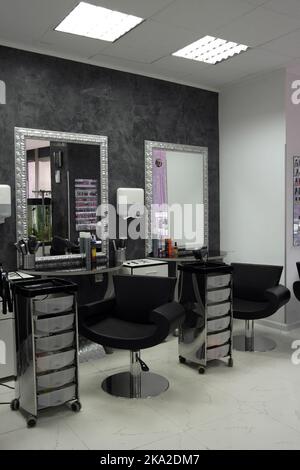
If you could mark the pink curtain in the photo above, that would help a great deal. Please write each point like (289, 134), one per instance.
(159, 177)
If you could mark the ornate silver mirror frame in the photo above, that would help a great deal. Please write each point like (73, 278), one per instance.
(21, 134)
(149, 146)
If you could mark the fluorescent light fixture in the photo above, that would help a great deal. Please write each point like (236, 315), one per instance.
(211, 50)
(97, 22)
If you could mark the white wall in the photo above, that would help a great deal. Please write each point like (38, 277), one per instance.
(252, 171)
(293, 149)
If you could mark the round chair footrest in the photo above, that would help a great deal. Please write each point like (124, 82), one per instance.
(261, 344)
(125, 385)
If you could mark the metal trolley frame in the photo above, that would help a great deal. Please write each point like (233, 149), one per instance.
(205, 290)
(32, 395)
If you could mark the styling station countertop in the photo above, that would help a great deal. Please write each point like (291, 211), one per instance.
(109, 271)
(190, 259)
(72, 272)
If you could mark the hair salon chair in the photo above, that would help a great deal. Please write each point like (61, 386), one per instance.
(296, 285)
(296, 289)
(257, 294)
(141, 315)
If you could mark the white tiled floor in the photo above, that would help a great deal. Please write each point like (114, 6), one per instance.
(254, 405)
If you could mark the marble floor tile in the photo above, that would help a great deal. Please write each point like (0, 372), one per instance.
(119, 424)
(253, 405)
(9, 420)
(46, 436)
(181, 441)
(248, 430)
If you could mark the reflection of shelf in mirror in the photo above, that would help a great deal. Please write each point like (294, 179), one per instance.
(81, 186)
(39, 201)
(86, 214)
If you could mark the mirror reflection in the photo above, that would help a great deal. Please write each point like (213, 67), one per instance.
(61, 179)
(177, 196)
(39, 189)
(63, 191)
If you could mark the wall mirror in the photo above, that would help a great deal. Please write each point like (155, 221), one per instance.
(176, 182)
(61, 178)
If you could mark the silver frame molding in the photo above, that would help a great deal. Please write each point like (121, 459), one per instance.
(149, 146)
(21, 134)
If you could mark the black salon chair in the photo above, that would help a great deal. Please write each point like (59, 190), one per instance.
(257, 294)
(296, 289)
(296, 285)
(141, 315)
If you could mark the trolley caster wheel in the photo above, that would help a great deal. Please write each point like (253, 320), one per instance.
(201, 370)
(76, 406)
(31, 422)
(182, 360)
(15, 405)
(230, 362)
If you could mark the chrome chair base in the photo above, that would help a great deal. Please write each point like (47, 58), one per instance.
(125, 385)
(256, 344)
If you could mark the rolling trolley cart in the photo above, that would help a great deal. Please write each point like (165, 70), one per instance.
(47, 346)
(205, 290)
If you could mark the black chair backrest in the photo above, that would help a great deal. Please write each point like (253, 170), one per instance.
(137, 296)
(250, 281)
(298, 268)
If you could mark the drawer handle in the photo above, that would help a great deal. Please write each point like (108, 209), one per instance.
(151, 272)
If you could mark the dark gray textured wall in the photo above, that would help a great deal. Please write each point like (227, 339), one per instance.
(55, 94)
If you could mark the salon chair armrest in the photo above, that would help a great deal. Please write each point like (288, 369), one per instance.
(94, 311)
(296, 288)
(168, 317)
(278, 296)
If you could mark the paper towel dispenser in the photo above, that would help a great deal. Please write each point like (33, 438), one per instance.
(130, 202)
(5, 202)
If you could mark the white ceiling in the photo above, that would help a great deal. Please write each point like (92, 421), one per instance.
(270, 27)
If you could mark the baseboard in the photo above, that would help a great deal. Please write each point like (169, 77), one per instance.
(279, 326)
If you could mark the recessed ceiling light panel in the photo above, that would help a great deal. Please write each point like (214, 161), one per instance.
(97, 22)
(211, 50)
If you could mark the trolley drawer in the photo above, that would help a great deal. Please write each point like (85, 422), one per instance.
(216, 353)
(218, 310)
(218, 324)
(218, 339)
(55, 342)
(216, 296)
(56, 398)
(54, 324)
(56, 379)
(53, 303)
(55, 361)
(213, 282)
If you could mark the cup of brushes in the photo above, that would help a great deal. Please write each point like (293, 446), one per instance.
(28, 248)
